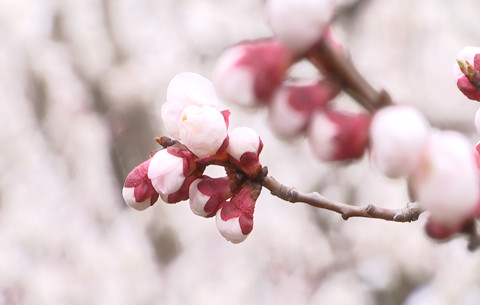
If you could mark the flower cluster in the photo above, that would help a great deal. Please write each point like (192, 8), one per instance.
(193, 117)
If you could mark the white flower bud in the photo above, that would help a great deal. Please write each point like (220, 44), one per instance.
(300, 23)
(202, 130)
(184, 90)
(138, 191)
(198, 200)
(166, 172)
(230, 229)
(242, 140)
(446, 180)
(397, 136)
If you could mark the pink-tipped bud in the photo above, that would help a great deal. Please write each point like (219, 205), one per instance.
(293, 104)
(244, 149)
(397, 136)
(467, 72)
(208, 194)
(185, 89)
(446, 181)
(235, 218)
(168, 169)
(439, 231)
(250, 71)
(138, 191)
(336, 136)
(203, 130)
(300, 23)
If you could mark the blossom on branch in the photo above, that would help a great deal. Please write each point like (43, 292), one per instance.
(248, 73)
(300, 23)
(186, 89)
(235, 218)
(169, 168)
(208, 194)
(338, 136)
(397, 136)
(446, 181)
(203, 130)
(138, 191)
(244, 149)
(294, 103)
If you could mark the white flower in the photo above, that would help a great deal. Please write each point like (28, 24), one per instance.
(397, 135)
(202, 130)
(446, 181)
(230, 229)
(198, 200)
(242, 140)
(184, 90)
(166, 172)
(299, 23)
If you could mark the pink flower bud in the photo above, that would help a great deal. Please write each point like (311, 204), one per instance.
(335, 136)
(300, 23)
(235, 218)
(168, 170)
(438, 231)
(293, 104)
(181, 194)
(244, 148)
(184, 90)
(203, 130)
(138, 191)
(467, 72)
(397, 136)
(208, 194)
(250, 71)
(446, 181)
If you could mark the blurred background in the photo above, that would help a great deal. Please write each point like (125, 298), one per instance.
(81, 85)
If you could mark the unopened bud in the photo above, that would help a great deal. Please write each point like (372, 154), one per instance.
(138, 191)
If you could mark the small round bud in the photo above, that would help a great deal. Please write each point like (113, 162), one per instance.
(244, 149)
(335, 136)
(397, 136)
(249, 72)
(446, 179)
(300, 23)
(138, 191)
(293, 104)
(208, 194)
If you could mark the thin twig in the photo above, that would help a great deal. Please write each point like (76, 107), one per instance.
(336, 65)
(410, 213)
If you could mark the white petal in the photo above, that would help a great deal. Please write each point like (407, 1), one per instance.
(465, 54)
(230, 229)
(242, 140)
(321, 134)
(166, 172)
(234, 83)
(397, 134)
(477, 120)
(203, 130)
(446, 182)
(299, 23)
(197, 199)
(185, 89)
(129, 197)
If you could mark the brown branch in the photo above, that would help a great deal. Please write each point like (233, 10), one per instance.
(410, 213)
(339, 67)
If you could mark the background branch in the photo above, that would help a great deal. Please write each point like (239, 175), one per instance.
(407, 214)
